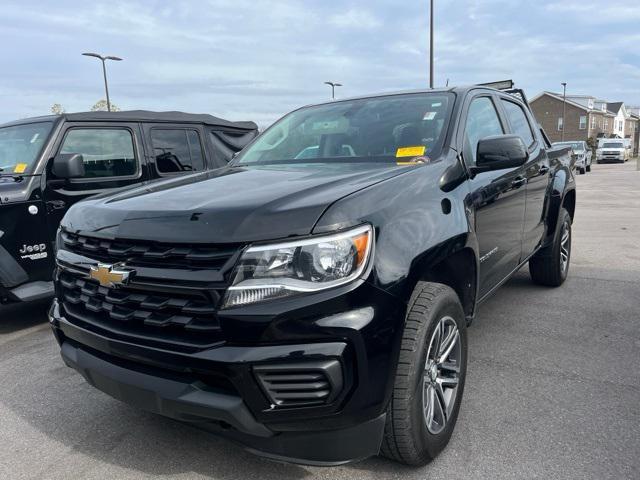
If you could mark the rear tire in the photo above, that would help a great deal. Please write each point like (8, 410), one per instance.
(550, 265)
(430, 377)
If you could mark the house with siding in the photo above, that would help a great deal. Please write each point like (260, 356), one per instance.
(587, 117)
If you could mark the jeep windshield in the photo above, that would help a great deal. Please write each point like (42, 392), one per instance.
(387, 130)
(20, 146)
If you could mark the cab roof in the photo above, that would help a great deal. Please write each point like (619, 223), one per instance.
(142, 116)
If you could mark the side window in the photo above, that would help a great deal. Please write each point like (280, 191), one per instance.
(177, 150)
(519, 122)
(107, 152)
(482, 122)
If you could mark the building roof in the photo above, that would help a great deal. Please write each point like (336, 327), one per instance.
(147, 116)
(559, 97)
(614, 107)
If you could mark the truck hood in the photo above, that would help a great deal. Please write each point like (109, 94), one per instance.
(229, 205)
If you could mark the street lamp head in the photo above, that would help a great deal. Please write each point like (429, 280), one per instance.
(89, 54)
(117, 59)
(564, 84)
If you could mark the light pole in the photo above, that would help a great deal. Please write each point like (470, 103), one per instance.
(564, 106)
(333, 86)
(431, 47)
(104, 72)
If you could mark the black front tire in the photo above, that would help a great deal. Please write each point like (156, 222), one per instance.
(410, 437)
(550, 265)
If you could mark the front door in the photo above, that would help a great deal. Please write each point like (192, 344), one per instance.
(537, 175)
(112, 159)
(497, 198)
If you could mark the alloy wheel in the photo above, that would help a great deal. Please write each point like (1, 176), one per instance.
(441, 375)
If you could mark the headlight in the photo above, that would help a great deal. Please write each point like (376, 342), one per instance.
(266, 272)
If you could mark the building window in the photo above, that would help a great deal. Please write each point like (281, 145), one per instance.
(583, 122)
(594, 121)
(560, 124)
(606, 124)
(620, 125)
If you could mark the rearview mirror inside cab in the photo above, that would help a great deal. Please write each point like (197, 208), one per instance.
(500, 152)
(68, 165)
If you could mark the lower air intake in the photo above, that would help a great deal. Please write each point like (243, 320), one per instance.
(301, 384)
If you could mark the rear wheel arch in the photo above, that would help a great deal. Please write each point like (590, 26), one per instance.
(569, 203)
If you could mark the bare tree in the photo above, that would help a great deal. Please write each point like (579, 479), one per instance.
(101, 106)
(57, 109)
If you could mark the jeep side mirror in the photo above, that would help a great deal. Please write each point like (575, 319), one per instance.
(500, 152)
(68, 165)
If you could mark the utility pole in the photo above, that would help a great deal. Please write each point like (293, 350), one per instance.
(333, 86)
(564, 106)
(104, 72)
(431, 47)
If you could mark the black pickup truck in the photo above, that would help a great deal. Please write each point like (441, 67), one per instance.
(311, 299)
(49, 163)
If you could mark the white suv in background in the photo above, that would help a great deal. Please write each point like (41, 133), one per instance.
(612, 151)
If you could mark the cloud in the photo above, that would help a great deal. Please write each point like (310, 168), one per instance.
(257, 59)
(355, 19)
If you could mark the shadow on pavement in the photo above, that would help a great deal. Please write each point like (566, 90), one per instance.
(16, 317)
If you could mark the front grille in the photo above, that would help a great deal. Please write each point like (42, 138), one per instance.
(175, 318)
(142, 253)
(301, 385)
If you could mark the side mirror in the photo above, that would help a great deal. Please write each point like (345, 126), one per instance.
(68, 165)
(500, 152)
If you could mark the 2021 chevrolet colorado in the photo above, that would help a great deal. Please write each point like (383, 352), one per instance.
(311, 299)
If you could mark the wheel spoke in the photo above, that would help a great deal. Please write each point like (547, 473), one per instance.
(447, 382)
(448, 346)
(440, 406)
(429, 400)
(449, 367)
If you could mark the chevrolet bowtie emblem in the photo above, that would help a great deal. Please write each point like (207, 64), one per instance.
(111, 276)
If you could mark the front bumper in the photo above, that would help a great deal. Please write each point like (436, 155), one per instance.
(217, 389)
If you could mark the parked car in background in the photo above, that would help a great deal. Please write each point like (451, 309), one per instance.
(582, 152)
(311, 299)
(47, 164)
(613, 150)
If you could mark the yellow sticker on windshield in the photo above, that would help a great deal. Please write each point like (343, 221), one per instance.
(20, 168)
(410, 151)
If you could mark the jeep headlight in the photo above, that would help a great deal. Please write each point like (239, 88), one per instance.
(266, 272)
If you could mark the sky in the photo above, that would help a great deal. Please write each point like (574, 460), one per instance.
(257, 60)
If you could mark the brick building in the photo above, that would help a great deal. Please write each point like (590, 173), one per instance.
(586, 117)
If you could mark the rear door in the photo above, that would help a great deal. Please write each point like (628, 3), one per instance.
(498, 197)
(112, 158)
(174, 149)
(536, 172)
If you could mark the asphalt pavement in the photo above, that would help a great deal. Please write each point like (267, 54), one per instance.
(553, 387)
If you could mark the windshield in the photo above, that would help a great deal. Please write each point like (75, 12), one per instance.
(20, 146)
(575, 145)
(613, 145)
(385, 130)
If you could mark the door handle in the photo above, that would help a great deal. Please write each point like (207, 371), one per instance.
(55, 205)
(544, 170)
(518, 182)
